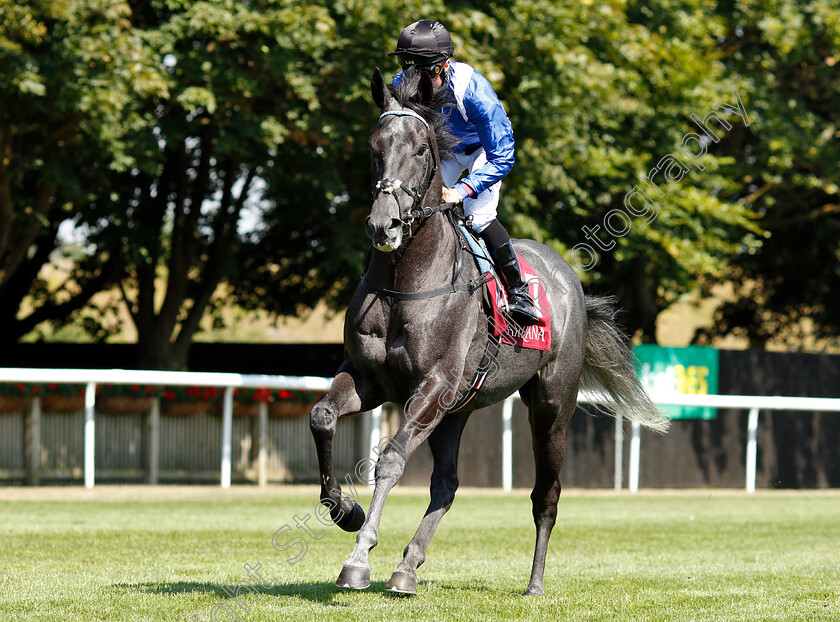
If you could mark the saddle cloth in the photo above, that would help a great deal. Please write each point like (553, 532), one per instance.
(537, 337)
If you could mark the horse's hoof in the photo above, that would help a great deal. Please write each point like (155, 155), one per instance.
(402, 583)
(354, 578)
(353, 521)
(534, 591)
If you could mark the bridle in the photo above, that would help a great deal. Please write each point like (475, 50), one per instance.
(392, 186)
(414, 213)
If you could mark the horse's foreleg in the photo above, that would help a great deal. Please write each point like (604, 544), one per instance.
(422, 414)
(350, 393)
(444, 443)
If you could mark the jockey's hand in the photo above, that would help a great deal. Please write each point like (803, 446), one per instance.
(450, 195)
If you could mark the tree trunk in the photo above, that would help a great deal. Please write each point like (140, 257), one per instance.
(635, 289)
(157, 352)
(165, 336)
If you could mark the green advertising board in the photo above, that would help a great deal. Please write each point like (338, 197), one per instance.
(692, 370)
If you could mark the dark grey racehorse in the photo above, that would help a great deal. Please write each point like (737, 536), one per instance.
(412, 351)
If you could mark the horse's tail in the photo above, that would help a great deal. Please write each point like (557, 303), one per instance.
(609, 367)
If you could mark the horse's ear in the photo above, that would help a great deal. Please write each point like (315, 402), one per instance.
(426, 90)
(380, 93)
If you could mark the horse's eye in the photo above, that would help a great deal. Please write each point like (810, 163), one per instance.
(422, 150)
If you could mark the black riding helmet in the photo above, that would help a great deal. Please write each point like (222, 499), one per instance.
(423, 43)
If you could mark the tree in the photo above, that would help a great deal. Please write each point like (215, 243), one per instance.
(786, 290)
(218, 149)
(239, 103)
(69, 71)
(312, 245)
(599, 94)
(594, 102)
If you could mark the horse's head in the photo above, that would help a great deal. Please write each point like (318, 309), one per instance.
(404, 161)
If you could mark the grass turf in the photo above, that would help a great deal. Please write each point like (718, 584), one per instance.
(164, 553)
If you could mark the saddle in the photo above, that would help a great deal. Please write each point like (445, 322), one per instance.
(537, 337)
(500, 329)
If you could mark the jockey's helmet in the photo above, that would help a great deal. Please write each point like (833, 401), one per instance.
(422, 44)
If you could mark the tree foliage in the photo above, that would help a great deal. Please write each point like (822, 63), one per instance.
(596, 110)
(217, 150)
(70, 73)
(788, 55)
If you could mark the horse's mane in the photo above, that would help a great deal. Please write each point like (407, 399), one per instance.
(435, 114)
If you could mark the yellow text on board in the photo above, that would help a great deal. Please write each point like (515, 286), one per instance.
(691, 379)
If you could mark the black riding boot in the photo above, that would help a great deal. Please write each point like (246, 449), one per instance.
(520, 305)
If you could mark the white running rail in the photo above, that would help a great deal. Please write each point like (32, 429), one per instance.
(230, 381)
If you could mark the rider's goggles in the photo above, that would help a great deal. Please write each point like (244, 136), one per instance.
(433, 68)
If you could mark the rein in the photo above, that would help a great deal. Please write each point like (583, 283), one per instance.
(424, 212)
(431, 293)
(454, 287)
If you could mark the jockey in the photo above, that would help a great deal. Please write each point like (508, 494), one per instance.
(485, 151)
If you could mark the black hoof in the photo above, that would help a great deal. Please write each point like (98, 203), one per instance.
(402, 583)
(352, 521)
(354, 578)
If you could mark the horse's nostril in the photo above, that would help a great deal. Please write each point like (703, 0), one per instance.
(383, 230)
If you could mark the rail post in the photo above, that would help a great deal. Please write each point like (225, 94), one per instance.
(262, 445)
(507, 444)
(32, 442)
(90, 434)
(618, 470)
(752, 448)
(635, 457)
(227, 436)
(153, 443)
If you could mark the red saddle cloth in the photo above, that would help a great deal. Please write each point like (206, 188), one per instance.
(538, 336)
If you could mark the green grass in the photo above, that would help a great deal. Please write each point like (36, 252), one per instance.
(140, 553)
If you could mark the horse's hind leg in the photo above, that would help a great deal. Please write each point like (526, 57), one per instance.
(444, 443)
(350, 393)
(549, 416)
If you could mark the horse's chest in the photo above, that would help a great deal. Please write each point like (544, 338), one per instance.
(391, 348)
(412, 348)
(371, 332)
(398, 354)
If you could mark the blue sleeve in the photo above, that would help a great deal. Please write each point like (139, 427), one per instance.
(494, 130)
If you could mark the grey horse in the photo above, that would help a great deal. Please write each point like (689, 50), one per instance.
(411, 336)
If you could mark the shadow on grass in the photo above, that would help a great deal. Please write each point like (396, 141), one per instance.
(179, 587)
(322, 592)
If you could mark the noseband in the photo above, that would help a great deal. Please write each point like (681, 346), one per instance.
(391, 186)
